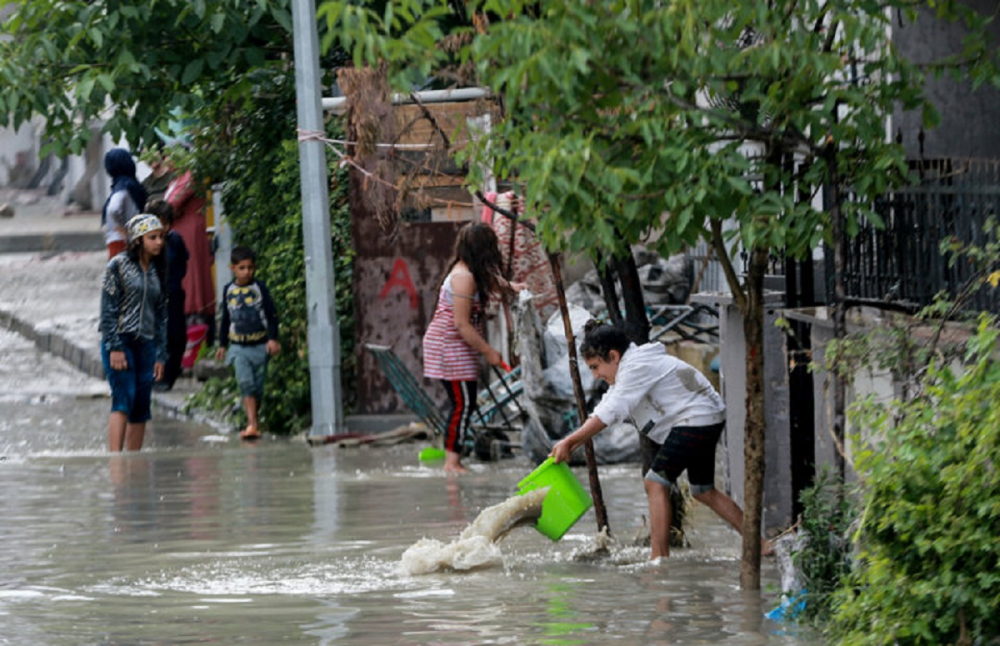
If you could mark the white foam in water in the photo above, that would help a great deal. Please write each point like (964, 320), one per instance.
(236, 582)
(476, 545)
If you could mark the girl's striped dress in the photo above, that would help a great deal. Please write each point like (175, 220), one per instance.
(446, 354)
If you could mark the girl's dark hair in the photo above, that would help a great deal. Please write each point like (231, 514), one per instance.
(159, 262)
(599, 339)
(161, 209)
(478, 248)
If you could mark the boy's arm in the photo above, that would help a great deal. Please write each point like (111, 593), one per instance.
(224, 323)
(271, 315)
(270, 312)
(563, 448)
(631, 385)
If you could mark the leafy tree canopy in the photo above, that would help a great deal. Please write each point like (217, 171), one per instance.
(624, 117)
(627, 121)
(129, 63)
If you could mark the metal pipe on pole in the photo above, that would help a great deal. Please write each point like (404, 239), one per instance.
(323, 333)
(338, 104)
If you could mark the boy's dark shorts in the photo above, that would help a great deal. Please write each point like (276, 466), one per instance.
(687, 447)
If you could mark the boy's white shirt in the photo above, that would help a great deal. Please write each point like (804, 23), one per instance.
(652, 386)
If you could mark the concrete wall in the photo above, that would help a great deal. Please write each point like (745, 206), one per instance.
(78, 181)
(968, 117)
(777, 441)
(877, 383)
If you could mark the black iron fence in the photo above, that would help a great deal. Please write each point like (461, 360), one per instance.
(902, 263)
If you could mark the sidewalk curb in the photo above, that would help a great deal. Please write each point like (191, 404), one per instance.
(84, 360)
(55, 344)
(51, 242)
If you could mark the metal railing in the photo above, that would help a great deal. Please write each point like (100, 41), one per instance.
(902, 263)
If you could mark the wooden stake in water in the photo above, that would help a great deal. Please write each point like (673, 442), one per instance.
(574, 372)
(581, 400)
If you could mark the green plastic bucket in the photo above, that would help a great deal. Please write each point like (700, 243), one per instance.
(566, 501)
(431, 453)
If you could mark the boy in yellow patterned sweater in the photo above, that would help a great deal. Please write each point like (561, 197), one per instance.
(248, 334)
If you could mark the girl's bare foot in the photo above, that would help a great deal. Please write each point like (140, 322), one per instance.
(250, 433)
(452, 463)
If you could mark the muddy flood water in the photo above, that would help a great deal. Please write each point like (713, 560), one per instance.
(199, 539)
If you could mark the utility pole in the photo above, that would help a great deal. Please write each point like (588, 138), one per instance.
(324, 335)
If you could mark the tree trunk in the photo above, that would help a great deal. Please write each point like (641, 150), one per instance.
(636, 321)
(606, 272)
(753, 448)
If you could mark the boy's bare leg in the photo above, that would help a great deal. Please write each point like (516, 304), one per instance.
(116, 431)
(250, 406)
(134, 434)
(729, 511)
(660, 515)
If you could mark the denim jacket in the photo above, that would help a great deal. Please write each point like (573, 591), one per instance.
(133, 304)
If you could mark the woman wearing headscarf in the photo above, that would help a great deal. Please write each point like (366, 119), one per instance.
(188, 202)
(127, 199)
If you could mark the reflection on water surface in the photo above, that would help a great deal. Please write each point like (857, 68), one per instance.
(201, 539)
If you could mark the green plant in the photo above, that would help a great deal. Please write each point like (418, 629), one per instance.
(221, 396)
(931, 512)
(261, 197)
(823, 557)
(72, 60)
(926, 461)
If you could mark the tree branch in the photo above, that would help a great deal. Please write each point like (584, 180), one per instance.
(433, 121)
(513, 217)
(727, 266)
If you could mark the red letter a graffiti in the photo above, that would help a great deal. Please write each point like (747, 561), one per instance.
(400, 276)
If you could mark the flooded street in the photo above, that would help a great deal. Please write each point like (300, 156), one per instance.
(201, 539)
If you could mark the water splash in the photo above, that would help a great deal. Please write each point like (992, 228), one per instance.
(476, 546)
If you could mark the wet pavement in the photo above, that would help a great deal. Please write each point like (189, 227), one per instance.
(43, 223)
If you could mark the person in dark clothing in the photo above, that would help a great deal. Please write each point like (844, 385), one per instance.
(177, 259)
(127, 199)
(249, 330)
(159, 178)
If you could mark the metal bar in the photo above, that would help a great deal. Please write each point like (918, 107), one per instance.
(499, 408)
(339, 103)
(510, 393)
